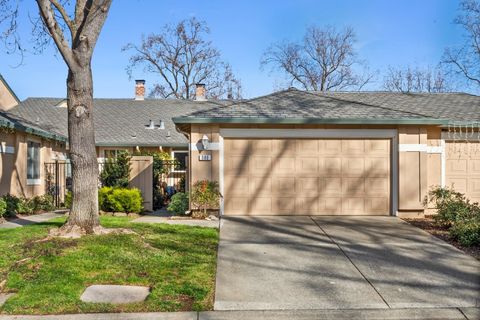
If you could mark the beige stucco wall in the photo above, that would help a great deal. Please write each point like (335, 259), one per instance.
(7, 100)
(418, 172)
(13, 174)
(133, 150)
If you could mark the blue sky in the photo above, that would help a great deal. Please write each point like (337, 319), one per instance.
(397, 33)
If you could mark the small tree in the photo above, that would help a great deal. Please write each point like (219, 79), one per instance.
(205, 195)
(417, 80)
(116, 171)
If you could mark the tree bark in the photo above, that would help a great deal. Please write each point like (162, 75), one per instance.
(84, 211)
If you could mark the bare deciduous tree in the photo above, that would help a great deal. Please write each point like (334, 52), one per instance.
(416, 80)
(74, 27)
(465, 60)
(325, 60)
(181, 56)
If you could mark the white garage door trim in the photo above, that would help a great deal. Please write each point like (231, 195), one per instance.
(314, 134)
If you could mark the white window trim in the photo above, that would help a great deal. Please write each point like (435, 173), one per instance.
(316, 134)
(34, 182)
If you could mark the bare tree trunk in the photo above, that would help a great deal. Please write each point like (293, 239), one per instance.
(84, 211)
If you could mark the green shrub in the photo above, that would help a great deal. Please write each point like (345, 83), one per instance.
(178, 203)
(453, 206)
(205, 195)
(68, 200)
(116, 172)
(3, 207)
(43, 203)
(467, 233)
(12, 204)
(26, 206)
(120, 200)
(461, 216)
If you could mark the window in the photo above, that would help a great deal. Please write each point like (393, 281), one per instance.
(181, 158)
(33, 162)
(113, 153)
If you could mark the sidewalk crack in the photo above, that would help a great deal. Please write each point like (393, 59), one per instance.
(346, 256)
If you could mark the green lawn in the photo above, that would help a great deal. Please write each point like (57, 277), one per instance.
(177, 262)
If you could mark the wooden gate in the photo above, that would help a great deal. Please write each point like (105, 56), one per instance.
(141, 173)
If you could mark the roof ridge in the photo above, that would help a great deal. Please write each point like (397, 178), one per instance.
(371, 105)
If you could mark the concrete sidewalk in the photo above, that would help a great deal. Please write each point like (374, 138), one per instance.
(374, 314)
(28, 220)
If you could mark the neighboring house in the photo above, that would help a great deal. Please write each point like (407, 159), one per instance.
(305, 153)
(135, 125)
(25, 148)
(8, 98)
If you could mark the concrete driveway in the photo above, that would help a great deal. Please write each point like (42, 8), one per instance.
(339, 263)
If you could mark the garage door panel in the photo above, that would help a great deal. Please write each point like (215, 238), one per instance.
(330, 166)
(330, 185)
(332, 147)
(307, 165)
(284, 166)
(236, 147)
(463, 168)
(283, 186)
(353, 147)
(260, 186)
(330, 205)
(376, 205)
(238, 186)
(307, 177)
(307, 186)
(283, 205)
(353, 205)
(353, 166)
(377, 186)
(377, 147)
(353, 186)
(236, 165)
(260, 165)
(306, 205)
(307, 147)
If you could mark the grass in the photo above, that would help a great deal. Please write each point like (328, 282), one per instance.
(48, 277)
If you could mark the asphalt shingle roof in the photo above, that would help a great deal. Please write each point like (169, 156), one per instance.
(16, 122)
(296, 104)
(118, 121)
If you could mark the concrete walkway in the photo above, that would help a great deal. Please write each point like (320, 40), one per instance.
(374, 314)
(28, 220)
(278, 263)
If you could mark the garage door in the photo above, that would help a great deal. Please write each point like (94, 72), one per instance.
(463, 168)
(307, 176)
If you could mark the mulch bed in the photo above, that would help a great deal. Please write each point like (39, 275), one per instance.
(428, 224)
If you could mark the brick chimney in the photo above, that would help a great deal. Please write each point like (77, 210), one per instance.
(139, 89)
(200, 92)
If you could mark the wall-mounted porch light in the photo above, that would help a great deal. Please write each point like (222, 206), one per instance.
(205, 142)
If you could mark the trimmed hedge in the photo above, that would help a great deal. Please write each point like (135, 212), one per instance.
(120, 200)
(3, 207)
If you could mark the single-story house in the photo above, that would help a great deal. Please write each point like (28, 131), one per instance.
(134, 125)
(341, 153)
(24, 148)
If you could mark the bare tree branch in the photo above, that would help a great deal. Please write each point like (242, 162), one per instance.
(465, 60)
(410, 79)
(323, 61)
(181, 56)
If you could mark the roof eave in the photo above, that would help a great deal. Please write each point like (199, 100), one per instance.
(33, 131)
(140, 144)
(420, 121)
